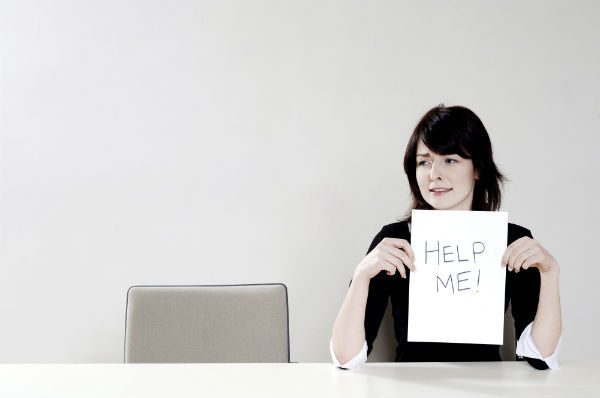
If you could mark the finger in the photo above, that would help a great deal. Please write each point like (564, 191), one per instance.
(401, 254)
(522, 258)
(393, 260)
(404, 245)
(380, 263)
(509, 250)
(517, 251)
(396, 263)
(389, 269)
(533, 261)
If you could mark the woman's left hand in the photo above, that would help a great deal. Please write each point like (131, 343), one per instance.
(526, 252)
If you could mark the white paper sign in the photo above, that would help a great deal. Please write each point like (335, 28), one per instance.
(457, 293)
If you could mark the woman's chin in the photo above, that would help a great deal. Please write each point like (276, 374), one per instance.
(442, 205)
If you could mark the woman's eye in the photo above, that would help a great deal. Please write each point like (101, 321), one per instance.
(422, 163)
(451, 161)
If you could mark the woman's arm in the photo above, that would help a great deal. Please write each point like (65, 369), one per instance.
(547, 324)
(348, 334)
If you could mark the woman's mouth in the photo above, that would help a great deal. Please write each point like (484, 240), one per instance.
(439, 191)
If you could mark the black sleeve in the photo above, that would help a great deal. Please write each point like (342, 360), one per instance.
(525, 297)
(377, 301)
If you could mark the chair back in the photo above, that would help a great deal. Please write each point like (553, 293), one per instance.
(509, 347)
(211, 323)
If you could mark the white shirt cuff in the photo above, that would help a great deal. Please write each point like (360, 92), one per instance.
(526, 348)
(358, 359)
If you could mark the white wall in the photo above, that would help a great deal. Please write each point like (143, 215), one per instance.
(195, 142)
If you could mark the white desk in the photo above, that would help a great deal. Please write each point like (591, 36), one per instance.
(489, 379)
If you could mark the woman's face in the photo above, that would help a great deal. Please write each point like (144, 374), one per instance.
(446, 182)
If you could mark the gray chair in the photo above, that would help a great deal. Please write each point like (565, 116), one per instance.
(508, 350)
(384, 347)
(225, 323)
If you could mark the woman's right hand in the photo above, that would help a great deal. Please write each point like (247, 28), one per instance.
(389, 255)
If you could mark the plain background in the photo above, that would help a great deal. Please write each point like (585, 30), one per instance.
(201, 142)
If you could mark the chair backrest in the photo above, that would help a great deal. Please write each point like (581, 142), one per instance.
(224, 323)
(384, 347)
(508, 349)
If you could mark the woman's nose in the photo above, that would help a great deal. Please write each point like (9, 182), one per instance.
(434, 173)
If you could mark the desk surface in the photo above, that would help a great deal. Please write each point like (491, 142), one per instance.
(487, 379)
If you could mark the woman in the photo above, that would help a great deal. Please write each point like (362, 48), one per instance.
(450, 166)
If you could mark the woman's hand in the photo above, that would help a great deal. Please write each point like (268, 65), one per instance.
(390, 254)
(526, 252)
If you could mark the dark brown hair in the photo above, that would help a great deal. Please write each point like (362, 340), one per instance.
(456, 130)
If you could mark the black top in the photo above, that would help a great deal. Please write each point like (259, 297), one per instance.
(522, 288)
